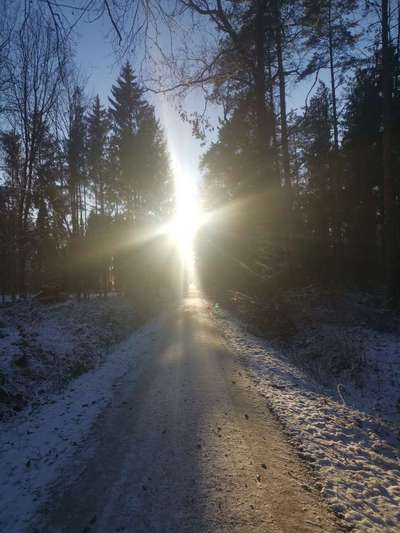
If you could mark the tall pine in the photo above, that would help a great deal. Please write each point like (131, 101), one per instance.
(97, 145)
(138, 150)
(76, 160)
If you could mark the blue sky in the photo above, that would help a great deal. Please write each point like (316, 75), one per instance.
(99, 68)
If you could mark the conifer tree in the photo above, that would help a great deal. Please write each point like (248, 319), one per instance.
(126, 105)
(362, 176)
(317, 150)
(97, 145)
(76, 160)
(137, 146)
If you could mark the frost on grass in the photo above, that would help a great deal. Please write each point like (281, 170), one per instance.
(43, 346)
(340, 414)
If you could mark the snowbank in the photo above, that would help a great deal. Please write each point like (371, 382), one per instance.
(40, 441)
(43, 346)
(355, 454)
(348, 339)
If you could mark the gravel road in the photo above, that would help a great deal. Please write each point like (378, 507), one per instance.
(187, 445)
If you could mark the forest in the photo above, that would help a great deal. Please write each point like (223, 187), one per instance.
(306, 195)
(199, 266)
(300, 169)
(77, 175)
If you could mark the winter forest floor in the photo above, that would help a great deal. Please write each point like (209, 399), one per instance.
(43, 346)
(319, 385)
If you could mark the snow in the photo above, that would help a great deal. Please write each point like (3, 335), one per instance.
(352, 340)
(352, 447)
(43, 346)
(40, 440)
(334, 384)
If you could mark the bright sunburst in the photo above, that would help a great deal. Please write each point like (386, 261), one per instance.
(187, 216)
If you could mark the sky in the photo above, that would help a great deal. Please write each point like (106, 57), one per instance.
(100, 69)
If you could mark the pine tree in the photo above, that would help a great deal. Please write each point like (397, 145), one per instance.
(126, 107)
(9, 201)
(98, 126)
(137, 147)
(231, 165)
(75, 155)
(389, 183)
(363, 171)
(330, 36)
(46, 227)
(317, 149)
(142, 180)
(155, 182)
(99, 221)
(76, 160)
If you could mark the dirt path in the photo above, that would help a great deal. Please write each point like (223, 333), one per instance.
(186, 446)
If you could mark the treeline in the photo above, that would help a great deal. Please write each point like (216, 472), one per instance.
(296, 196)
(310, 195)
(83, 182)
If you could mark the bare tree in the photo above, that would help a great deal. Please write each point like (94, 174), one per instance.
(35, 71)
(7, 25)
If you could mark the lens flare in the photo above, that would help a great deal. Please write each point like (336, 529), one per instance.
(182, 149)
(187, 216)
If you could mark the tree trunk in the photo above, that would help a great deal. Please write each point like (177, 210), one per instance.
(264, 130)
(282, 99)
(273, 114)
(388, 182)
(335, 160)
(101, 196)
(332, 76)
(287, 193)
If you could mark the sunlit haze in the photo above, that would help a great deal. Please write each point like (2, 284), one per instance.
(187, 211)
(184, 166)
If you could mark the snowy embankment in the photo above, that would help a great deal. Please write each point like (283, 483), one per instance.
(43, 346)
(355, 454)
(41, 440)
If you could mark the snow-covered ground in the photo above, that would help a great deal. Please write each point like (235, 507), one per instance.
(340, 413)
(333, 383)
(351, 341)
(43, 346)
(41, 439)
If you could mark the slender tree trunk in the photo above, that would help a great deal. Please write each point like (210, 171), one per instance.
(101, 193)
(264, 130)
(81, 210)
(332, 76)
(105, 279)
(84, 206)
(96, 194)
(273, 114)
(388, 181)
(287, 193)
(396, 79)
(21, 261)
(74, 207)
(335, 160)
(282, 99)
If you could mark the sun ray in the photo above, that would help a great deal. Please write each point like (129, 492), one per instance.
(187, 216)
